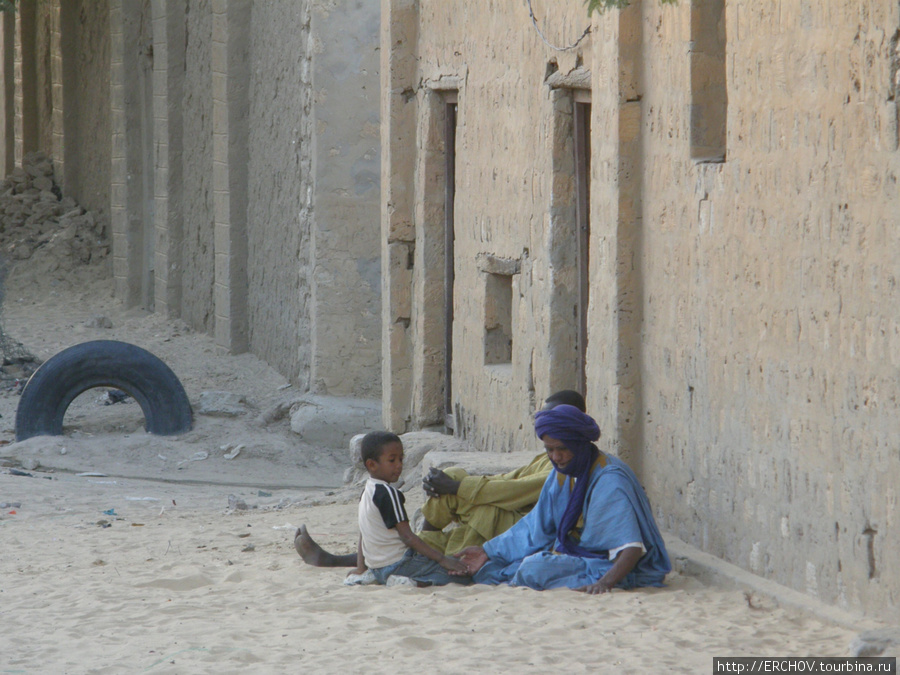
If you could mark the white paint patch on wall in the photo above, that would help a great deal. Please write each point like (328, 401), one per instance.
(812, 584)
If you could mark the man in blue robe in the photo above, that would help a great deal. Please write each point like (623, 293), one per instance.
(592, 528)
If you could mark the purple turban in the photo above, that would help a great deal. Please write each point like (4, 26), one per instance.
(577, 431)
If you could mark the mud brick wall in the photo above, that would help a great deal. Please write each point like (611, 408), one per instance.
(743, 333)
(280, 185)
(198, 248)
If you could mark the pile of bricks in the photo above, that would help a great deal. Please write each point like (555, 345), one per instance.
(35, 215)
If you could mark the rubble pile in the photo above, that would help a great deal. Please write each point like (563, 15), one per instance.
(45, 240)
(34, 215)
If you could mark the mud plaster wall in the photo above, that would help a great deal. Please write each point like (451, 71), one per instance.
(197, 244)
(346, 313)
(501, 206)
(88, 139)
(8, 114)
(280, 190)
(771, 339)
(766, 283)
(43, 47)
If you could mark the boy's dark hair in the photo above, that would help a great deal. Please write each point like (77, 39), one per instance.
(373, 443)
(566, 397)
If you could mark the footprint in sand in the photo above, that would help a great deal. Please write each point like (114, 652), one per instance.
(187, 583)
(420, 643)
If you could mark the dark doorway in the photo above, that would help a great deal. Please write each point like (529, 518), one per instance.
(582, 133)
(449, 236)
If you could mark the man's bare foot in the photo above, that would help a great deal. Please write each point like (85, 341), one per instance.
(315, 555)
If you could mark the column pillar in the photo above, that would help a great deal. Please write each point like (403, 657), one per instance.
(231, 108)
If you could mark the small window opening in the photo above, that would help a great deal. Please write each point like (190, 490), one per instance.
(709, 90)
(498, 319)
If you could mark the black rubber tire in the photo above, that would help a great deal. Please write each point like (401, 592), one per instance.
(103, 363)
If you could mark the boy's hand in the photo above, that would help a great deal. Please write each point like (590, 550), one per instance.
(453, 565)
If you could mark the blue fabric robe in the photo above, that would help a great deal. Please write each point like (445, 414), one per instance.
(616, 512)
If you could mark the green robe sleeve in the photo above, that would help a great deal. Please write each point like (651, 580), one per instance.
(513, 491)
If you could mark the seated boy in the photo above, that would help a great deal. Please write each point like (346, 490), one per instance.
(387, 544)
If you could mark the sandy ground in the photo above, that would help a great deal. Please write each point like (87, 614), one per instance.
(151, 568)
(110, 438)
(176, 584)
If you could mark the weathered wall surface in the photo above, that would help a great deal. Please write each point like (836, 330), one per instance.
(198, 249)
(244, 203)
(314, 263)
(8, 112)
(494, 61)
(280, 190)
(771, 335)
(346, 265)
(500, 209)
(85, 31)
(44, 82)
(240, 251)
(742, 317)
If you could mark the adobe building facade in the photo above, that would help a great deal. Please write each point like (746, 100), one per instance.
(688, 212)
(231, 148)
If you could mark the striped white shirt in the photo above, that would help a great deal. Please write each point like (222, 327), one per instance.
(380, 509)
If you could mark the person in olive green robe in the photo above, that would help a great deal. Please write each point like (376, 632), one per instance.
(463, 510)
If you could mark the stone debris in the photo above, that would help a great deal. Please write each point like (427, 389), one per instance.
(232, 451)
(331, 421)
(356, 472)
(46, 237)
(15, 371)
(34, 215)
(275, 412)
(114, 396)
(221, 404)
(99, 321)
(235, 503)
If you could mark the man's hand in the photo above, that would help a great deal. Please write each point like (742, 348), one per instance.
(438, 483)
(473, 558)
(595, 588)
(455, 566)
(625, 562)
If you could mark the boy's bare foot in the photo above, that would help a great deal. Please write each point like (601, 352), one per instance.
(315, 555)
(309, 550)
